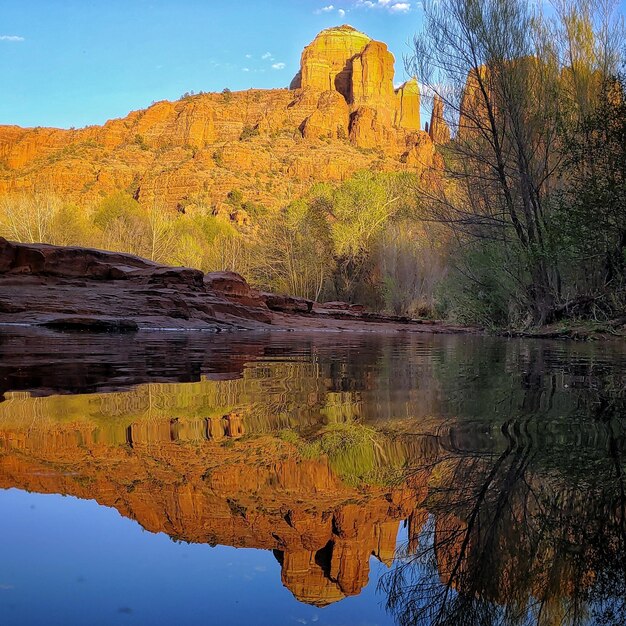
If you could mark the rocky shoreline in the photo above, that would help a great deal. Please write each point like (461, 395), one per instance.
(71, 288)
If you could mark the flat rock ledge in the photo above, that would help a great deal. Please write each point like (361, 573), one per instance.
(82, 289)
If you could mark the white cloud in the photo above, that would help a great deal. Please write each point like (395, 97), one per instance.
(11, 38)
(278, 66)
(248, 56)
(267, 55)
(330, 8)
(245, 69)
(393, 6)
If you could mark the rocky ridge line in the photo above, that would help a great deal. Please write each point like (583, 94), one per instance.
(341, 115)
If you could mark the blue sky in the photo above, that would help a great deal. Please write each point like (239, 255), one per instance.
(78, 62)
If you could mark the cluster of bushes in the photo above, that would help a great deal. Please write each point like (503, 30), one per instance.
(120, 223)
(360, 241)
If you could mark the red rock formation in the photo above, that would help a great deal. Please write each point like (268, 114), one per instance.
(209, 144)
(330, 119)
(69, 287)
(372, 77)
(361, 71)
(326, 63)
(438, 130)
(472, 114)
(408, 106)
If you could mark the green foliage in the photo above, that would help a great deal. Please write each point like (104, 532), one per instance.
(584, 235)
(141, 142)
(116, 206)
(354, 451)
(234, 198)
(71, 226)
(340, 241)
(294, 251)
(254, 209)
(481, 288)
(248, 133)
(588, 224)
(218, 157)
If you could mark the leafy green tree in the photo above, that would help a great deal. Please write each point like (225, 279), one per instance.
(511, 77)
(28, 217)
(590, 220)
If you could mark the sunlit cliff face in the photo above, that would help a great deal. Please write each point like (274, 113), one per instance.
(341, 115)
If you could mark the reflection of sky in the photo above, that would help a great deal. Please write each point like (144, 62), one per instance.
(68, 561)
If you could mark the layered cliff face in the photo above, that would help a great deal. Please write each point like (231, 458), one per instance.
(341, 115)
(326, 63)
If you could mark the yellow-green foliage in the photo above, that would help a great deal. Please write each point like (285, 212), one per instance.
(330, 244)
(357, 453)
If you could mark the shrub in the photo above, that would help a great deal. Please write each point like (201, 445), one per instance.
(248, 133)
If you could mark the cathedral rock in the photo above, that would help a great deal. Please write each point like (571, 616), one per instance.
(345, 61)
(341, 114)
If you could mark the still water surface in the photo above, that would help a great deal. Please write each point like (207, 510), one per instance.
(292, 479)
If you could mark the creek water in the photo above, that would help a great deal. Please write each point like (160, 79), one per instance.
(330, 479)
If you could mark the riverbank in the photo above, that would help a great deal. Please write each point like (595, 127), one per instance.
(82, 289)
(577, 330)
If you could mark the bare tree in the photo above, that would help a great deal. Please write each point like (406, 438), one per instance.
(499, 69)
(28, 217)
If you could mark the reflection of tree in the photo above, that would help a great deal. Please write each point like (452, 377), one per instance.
(526, 527)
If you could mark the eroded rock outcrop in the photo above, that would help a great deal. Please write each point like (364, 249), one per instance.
(438, 130)
(80, 288)
(360, 70)
(326, 63)
(203, 146)
(331, 118)
(372, 77)
(408, 105)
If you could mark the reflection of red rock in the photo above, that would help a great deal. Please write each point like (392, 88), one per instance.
(256, 494)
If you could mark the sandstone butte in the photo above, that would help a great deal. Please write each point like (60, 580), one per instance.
(341, 114)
